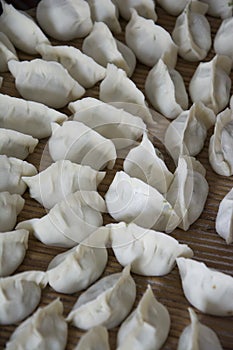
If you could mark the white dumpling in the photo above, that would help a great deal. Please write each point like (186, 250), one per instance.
(216, 8)
(224, 219)
(61, 178)
(132, 200)
(64, 20)
(16, 144)
(187, 133)
(149, 41)
(13, 246)
(70, 221)
(174, 8)
(81, 67)
(45, 82)
(45, 329)
(144, 162)
(150, 253)
(105, 11)
(21, 29)
(192, 33)
(80, 144)
(147, 327)
(10, 206)
(19, 295)
(95, 339)
(105, 303)
(222, 42)
(221, 143)
(211, 83)
(7, 52)
(104, 48)
(208, 290)
(198, 336)
(28, 117)
(159, 79)
(12, 170)
(188, 190)
(145, 8)
(116, 124)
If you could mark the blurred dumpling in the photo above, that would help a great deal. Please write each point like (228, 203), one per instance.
(7, 52)
(95, 339)
(223, 44)
(105, 11)
(224, 219)
(174, 8)
(145, 8)
(10, 206)
(216, 8)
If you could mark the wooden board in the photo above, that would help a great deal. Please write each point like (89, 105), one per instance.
(201, 237)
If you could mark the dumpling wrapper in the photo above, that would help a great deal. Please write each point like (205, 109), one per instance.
(131, 200)
(224, 219)
(216, 8)
(68, 20)
(45, 329)
(13, 246)
(28, 117)
(7, 52)
(10, 206)
(19, 295)
(174, 8)
(70, 221)
(208, 290)
(149, 41)
(21, 29)
(145, 8)
(80, 144)
(222, 41)
(147, 327)
(105, 303)
(150, 253)
(60, 179)
(95, 339)
(198, 336)
(45, 82)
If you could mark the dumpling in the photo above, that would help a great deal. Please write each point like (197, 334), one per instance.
(187, 133)
(224, 219)
(104, 48)
(70, 221)
(150, 253)
(13, 246)
(7, 52)
(147, 327)
(45, 82)
(174, 8)
(221, 143)
(105, 303)
(21, 29)
(145, 163)
(149, 41)
(45, 329)
(80, 144)
(10, 206)
(16, 144)
(160, 79)
(198, 336)
(63, 177)
(192, 33)
(231, 102)
(116, 124)
(145, 8)
(216, 8)
(81, 67)
(79, 267)
(28, 117)
(188, 190)
(19, 295)
(95, 339)
(65, 20)
(105, 11)
(12, 170)
(132, 200)
(211, 83)
(222, 41)
(208, 290)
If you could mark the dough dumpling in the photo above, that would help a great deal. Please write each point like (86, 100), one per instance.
(95, 339)
(13, 246)
(7, 52)
(61, 178)
(45, 82)
(105, 11)
(223, 44)
(19, 295)
(10, 206)
(208, 290)
(216, 8)
(145, 8)
(64, 20)
(105, 303)
(80, 144)
(21, 29)
(224, 219)
(149, 41)
(45, 329)
(174, 8)
(147, 327)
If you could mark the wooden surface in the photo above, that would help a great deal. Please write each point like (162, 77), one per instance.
(201, 237)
